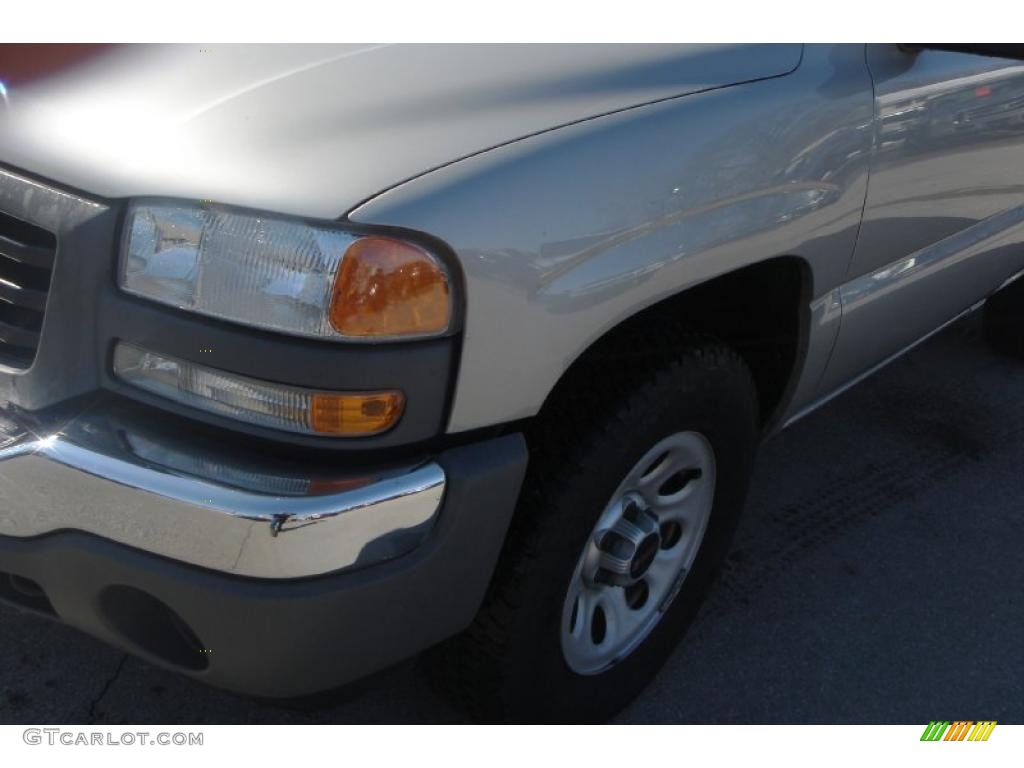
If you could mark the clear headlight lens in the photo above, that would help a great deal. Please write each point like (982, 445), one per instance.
(278, 406)
(283, 274)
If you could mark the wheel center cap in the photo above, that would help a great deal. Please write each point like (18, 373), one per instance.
(626, 550)
(644, 556)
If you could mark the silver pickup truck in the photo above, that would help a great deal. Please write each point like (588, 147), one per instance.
(316, 357)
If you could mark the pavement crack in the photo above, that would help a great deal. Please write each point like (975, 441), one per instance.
(106, 687)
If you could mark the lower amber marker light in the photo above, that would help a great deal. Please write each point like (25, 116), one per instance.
(264, 403)
(360, 414)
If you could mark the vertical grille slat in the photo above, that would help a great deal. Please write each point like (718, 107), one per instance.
(26, 264)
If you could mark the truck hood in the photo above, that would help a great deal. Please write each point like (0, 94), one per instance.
(315, 130)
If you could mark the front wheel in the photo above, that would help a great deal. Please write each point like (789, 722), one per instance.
(634, 488)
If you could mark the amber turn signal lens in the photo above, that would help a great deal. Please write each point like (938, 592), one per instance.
(355, 414)
(387, 287)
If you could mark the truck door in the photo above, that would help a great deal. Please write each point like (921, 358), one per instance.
(944, 215)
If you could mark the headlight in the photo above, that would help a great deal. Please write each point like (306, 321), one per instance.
(283, 274)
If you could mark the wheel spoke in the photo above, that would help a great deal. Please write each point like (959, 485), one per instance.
(662, 572)
(683, 475)
(659, 473)
(626, 619)
(670, 463)
(674, 507)
(687, 506)
(585, 618)
(611, 602)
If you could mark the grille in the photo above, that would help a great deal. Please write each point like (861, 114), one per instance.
(26, 263)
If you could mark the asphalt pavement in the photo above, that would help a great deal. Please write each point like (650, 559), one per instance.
(877, 577)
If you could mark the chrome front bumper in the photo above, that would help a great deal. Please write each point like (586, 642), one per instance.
(103, 471)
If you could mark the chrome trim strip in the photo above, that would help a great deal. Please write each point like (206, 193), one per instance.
(830, 396)
(833, 394)
(62, 481)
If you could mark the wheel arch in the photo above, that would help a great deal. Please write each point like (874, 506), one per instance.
(762, 310)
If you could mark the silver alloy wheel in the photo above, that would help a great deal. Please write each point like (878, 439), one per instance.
(639, 553)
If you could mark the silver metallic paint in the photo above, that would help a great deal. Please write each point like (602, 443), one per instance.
(313, 130)
(564, 235)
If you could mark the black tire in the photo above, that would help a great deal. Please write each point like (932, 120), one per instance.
(508, 666)
(1004, 320)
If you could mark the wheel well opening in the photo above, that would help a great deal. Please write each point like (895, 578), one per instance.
(760, 311)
